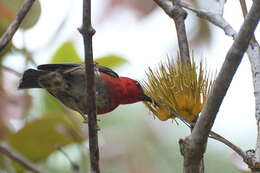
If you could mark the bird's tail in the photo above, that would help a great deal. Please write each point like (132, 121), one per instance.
(30, 79)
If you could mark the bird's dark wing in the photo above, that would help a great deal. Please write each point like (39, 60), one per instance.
(67, 66)
(54, 67)
(107, 70)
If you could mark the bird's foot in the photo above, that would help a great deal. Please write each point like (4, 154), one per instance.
(85, 118)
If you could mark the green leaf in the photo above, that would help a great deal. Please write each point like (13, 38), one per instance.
(39, 138)
(5, 164)
(66, 53)
(50, 105)
(111, 61)
(11, 7)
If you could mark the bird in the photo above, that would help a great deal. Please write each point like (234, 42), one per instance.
(67, 83)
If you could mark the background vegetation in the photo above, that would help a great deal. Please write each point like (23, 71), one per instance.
(131, 36)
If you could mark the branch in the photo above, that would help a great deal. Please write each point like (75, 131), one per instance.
(253, 53)
(87, 32)
(244, 11)
(175, 12)
(221, 7)
(254, 57)
(8, 35)
(214, 18)
(4, 149)
(74, 166)
(215, 136)
(235, 148)
(243, 7)
(194, 145)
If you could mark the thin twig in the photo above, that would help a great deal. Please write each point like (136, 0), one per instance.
(9, 33)
(18, 74)
(243, 7)
(87, 32)
(246, 156)
(244, 11)
(6, 150)
(75, 167)
(253, 53)
(254, 56)
(195, 144)
(213, 135)
(221, 7)
(235, 148)
(214, 18)
(174, 11)
(26, 53)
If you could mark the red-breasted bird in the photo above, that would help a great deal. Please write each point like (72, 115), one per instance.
(67, 83)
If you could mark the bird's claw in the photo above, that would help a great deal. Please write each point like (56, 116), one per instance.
(85, 117)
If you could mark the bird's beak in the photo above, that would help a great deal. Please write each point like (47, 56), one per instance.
(147, 98)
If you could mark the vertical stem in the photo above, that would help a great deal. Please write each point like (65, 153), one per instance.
(244, 11)
(179, 16)
(196, 143)
(254, 57)
(243, 7)
(175, 12)
(87, 33)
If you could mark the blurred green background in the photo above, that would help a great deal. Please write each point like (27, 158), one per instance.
(131, 36)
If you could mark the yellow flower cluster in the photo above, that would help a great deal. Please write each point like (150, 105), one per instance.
(177, 87)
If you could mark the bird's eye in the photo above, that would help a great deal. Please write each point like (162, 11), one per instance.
(137, 84)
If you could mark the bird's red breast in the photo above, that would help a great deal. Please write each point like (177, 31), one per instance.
(121, 90)
(114, 90)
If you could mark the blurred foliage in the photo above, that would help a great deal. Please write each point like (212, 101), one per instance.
(111, 61)
(129, 141)
(5, 51)
(65, 54)
(142, 8)
(39, 138)
(50, 105)
(9, 9)
(145, 8)
(4, 130)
